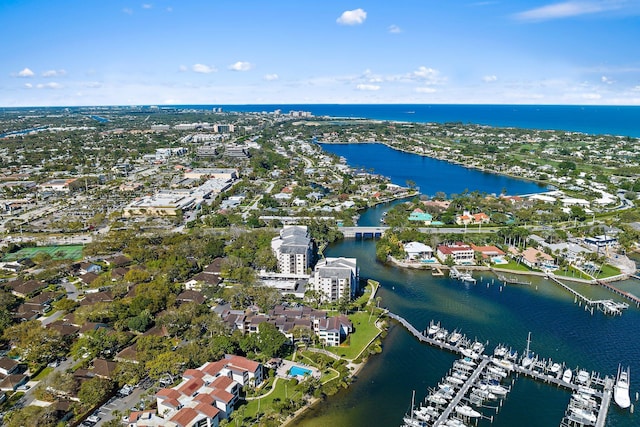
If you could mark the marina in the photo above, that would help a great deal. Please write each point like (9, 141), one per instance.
(591, 393)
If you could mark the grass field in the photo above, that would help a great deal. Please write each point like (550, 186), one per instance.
(364, 331)
(73, 252)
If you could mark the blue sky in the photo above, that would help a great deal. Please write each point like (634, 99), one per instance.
(112, 52)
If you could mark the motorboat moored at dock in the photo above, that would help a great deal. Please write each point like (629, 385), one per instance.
(621, 389)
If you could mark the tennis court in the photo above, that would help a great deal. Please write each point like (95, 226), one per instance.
(73, 252)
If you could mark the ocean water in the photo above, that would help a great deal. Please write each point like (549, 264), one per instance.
(611, 120)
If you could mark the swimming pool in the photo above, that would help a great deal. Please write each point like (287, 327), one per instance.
(297, 370)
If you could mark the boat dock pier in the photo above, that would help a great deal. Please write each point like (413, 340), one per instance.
(539, 370)
(606, 306)
(634, 299)
(461, 393)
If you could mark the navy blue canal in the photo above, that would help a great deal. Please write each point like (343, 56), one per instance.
(560, 329)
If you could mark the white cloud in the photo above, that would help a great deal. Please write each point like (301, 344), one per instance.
(241, 66)
(182, 68)
(92, 85)
(128, 11)
(394, 29)
(271, 77)
(489, 79)
(54, 73)
(566, 10)
(367, 87)
(203, 69)
(606, 80)
(425, 90)
(636, 88)
(147, 6)
(26, 73)
(169, 9)
(28, 85)
(352, 17)
(51, 85)
(591, 96)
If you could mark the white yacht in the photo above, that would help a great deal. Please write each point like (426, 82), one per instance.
(555, 368)
(529, 357)
(467, 411)
(437, 398)
(567, 375)
(582, 416)
(500, 351)
(455, 380)
(433, 328)
(502, 363)
(621, 389)
(455, 337)
(583, 377)
(454, 422)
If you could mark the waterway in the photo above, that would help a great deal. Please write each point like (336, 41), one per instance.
(560, 329)
(430, 175)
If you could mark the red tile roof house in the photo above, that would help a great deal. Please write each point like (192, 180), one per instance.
(205, 396)
(488, 251)
(460, 252)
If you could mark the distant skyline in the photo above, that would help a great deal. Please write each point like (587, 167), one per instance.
(113, 52)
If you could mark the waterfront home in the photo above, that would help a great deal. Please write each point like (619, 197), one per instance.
(419, 216)
(533, 258)
(461, 253)
(333, 330)
(490, 252)
(418, 251)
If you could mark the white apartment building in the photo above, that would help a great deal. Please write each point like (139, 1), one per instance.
(293, 249)
(335, 277)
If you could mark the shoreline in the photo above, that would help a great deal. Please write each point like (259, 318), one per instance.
(433, 266)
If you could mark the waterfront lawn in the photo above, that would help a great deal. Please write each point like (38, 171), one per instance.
(514, 266)
(365, 331)
(572, 272)
(608, 271)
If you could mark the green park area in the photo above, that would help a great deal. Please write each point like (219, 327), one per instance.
(73, 252)
(364, 331)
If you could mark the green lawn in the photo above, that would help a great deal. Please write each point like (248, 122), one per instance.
(73, 252)
(514, 266)
(46, 371)
(608, 271)
(572, 272)
(251, 408)
(364, 331)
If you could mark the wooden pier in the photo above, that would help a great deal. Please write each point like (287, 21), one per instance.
(634, 299)
(539, 375)
(606, 306)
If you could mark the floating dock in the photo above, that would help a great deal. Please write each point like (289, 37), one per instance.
(538, 370)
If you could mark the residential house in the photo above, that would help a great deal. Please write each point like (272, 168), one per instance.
(472, 219)
(461, 253)
(8, 366)
(491, 252)
(418, 251)
(533, 258)
(418, 215)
